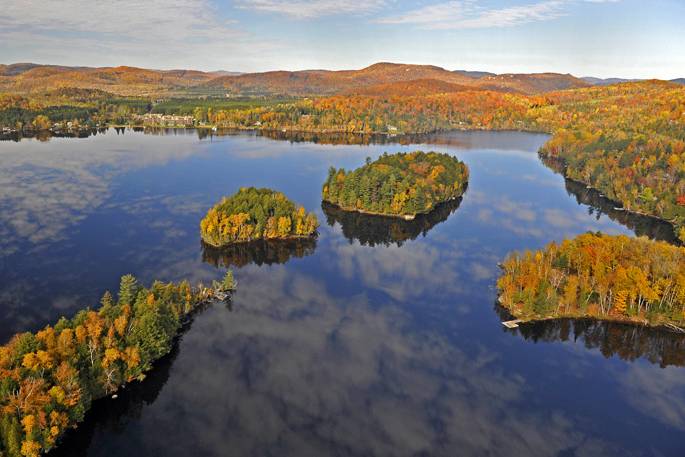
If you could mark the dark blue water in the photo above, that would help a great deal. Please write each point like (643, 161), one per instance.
(382, 338)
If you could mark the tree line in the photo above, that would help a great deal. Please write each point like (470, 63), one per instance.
(402, 184)
(49, 379)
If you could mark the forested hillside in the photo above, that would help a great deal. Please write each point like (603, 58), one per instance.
(130, 81)
(127, 81)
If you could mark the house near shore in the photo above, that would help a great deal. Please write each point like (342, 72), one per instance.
(164, 120)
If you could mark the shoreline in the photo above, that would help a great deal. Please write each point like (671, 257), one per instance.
(618, 205)
(405, 217)
(261, 240)
(666, 325)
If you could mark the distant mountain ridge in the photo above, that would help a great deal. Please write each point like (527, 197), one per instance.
(324, 82)
(607, 81)
(383, 78)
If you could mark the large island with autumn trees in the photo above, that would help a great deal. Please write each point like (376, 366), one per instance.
(401, 185)
(254, 214)
(600, 276)
(49, 379)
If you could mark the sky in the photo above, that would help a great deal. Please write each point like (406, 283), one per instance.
(602, 38)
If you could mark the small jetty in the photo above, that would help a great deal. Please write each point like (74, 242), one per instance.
(512, 324)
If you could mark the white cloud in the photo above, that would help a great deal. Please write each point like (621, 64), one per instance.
(312, 9)
(153, 19)
(433, 14)
(174, 31)
(467, 14)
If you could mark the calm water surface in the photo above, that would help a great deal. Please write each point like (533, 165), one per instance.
(381, 338)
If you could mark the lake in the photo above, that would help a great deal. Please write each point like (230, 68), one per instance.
(381, 338)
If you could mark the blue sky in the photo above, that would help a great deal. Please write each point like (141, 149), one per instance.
(624, 38)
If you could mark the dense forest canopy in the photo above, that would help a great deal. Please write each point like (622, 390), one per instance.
(255, 214)
(403, 184)
(49, 379)
(596, 275)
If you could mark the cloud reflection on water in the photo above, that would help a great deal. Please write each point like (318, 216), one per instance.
(295, 370)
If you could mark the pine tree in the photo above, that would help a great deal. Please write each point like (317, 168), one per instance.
(107, 305)
(128, 289)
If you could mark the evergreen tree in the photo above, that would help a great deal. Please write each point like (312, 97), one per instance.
(128, 289)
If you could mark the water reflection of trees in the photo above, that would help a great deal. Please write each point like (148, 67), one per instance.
(642, 225)
(45, 135)
(335, 138)
(372, 230)
(113, 416)
(613, 339)
(260, 252)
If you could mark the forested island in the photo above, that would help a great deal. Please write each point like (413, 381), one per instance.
(49, 379)
(600, 276)
(256, 214)
(401, 185)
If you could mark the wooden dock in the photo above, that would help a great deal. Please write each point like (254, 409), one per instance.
(512, 324)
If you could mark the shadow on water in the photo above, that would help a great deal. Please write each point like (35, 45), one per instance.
(337, 138)
(629, 342)
(113, 415)
(374, 230)
(45, 135)
(598, 204)
(257, 252)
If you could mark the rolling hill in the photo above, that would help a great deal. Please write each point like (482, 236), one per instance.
(381, 78)
(322, 82)
(27, 78)
(606, 81)
(419, 87)
(530, 83)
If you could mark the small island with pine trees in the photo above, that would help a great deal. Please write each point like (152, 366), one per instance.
(254, 214)
(399, 185)
(600, 276)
